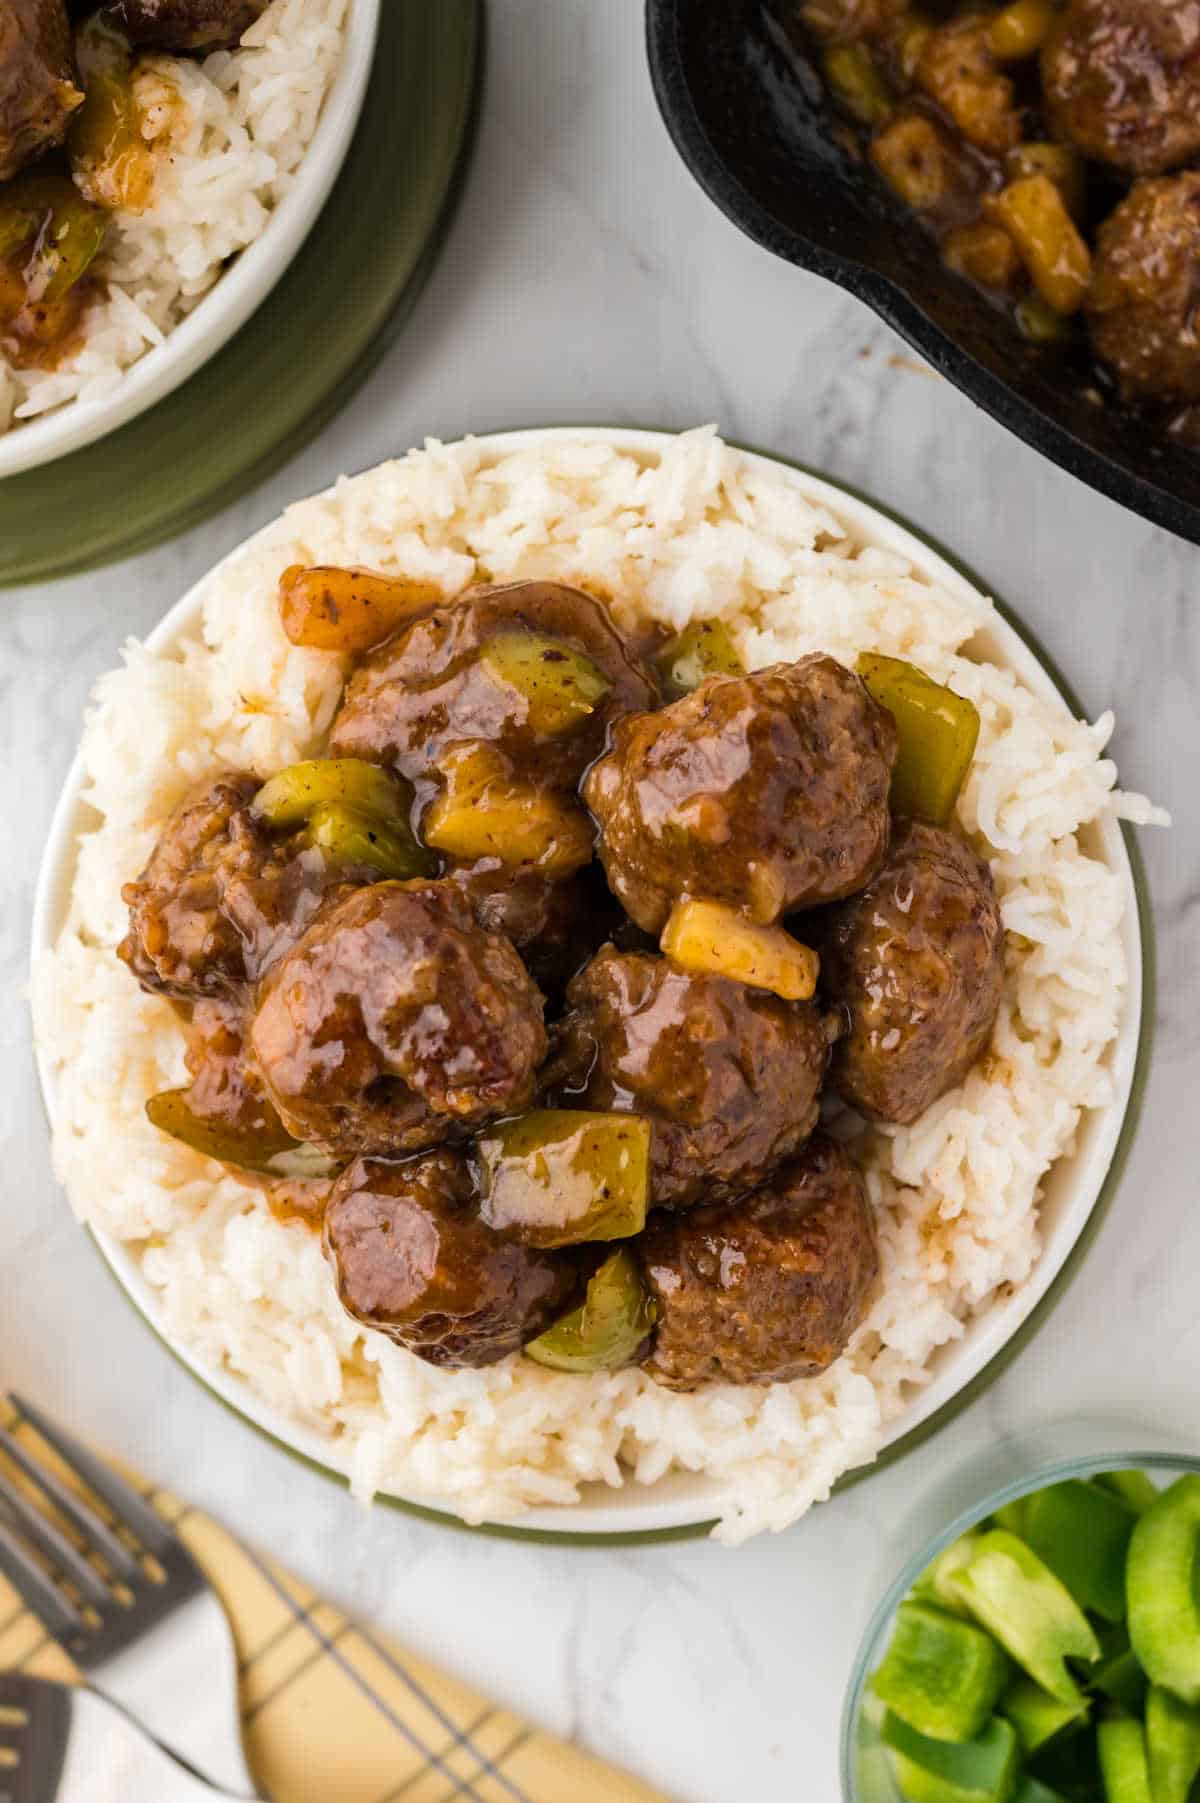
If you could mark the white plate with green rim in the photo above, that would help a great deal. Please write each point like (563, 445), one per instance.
(1075, 1194)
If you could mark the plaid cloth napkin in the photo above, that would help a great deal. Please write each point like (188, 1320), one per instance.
(334, 1713)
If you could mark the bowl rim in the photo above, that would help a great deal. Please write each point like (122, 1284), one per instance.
(1038, 1475)
(237, 293)
(1110, 1130)
(1039, 430)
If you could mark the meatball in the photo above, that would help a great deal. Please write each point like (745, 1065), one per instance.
(917, 960)
(1143, 307)
(38, 89)
(427, 688)
(185, 24)
(412, 1257)
(728, 1075)
(767, 1289)
(395, 1023)
(1121, 79)
(221, 898)
(180, 942)
(768, 792)
(225, 1089)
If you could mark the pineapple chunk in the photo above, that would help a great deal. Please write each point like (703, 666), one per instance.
(706, 936)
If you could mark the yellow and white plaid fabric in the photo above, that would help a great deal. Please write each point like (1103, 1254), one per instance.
(336, 1714)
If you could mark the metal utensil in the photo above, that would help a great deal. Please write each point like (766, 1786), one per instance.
(59, 1745)
(119, 1591)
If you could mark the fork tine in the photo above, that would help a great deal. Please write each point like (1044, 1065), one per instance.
(74, 1508)
(62, 1553)
(55, 1611)
(121, 1498)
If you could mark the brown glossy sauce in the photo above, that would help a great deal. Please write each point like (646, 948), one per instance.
(40, 334)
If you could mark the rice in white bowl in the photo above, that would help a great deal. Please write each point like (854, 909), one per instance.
(693, 532)
(229, 132)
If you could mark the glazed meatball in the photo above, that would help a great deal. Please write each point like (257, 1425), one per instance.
(412, 1257)
(180, 942)
(767, 1289)
(1143, 308)
(428, 688)
(917, 960)
(768, 792)
(1121, 79)
(185, 24)
(221, 898)
(395, 1023)
(38, 89)
(225, 1089)
(728, 1075)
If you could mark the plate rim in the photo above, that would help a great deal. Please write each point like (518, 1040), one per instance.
(1116, 1125)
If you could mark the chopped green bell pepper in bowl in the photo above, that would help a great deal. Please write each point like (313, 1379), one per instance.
(1044, 1647)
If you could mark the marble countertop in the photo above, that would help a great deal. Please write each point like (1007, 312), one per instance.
(587, 278)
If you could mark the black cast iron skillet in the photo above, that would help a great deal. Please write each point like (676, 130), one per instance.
(750, 118)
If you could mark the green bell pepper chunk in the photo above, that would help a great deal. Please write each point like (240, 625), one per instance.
(1038, 1717)
(560, 685)
(63, 232)
(934, 1582)
(1133, 1487)
(1012, 1515)
(290, 797)
(983, 1770)
(559, 1176)
(705, 648)
(1030, 1790)
(1082, 1533)
(1124, 1767)
(1172, 1746)
(268, 1150)
(1118, 1676)
(942, 1675)
(938, 732)
(607, 1329)
(1162, 1590)
(1035, 1618)
(349, 836)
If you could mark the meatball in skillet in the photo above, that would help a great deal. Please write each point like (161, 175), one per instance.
(729, 1076)
(766, 1289)
(412, 1257)
(438, 684)
(1121, 80)
(1143, 306)
(917, 960)
(395, 1022)
(38, 87)
(201, 25)
(767, 792)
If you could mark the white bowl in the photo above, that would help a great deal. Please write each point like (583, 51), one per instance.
(682, 1501)
(236, 295)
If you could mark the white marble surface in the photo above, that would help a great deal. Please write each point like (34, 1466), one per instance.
(587, 278)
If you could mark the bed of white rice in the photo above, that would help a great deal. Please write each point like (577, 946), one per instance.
(698, 533)
(229, 133)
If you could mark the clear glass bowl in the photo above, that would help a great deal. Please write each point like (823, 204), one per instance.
(1005, 1471)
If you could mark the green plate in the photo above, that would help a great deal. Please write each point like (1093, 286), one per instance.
(303, 354)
